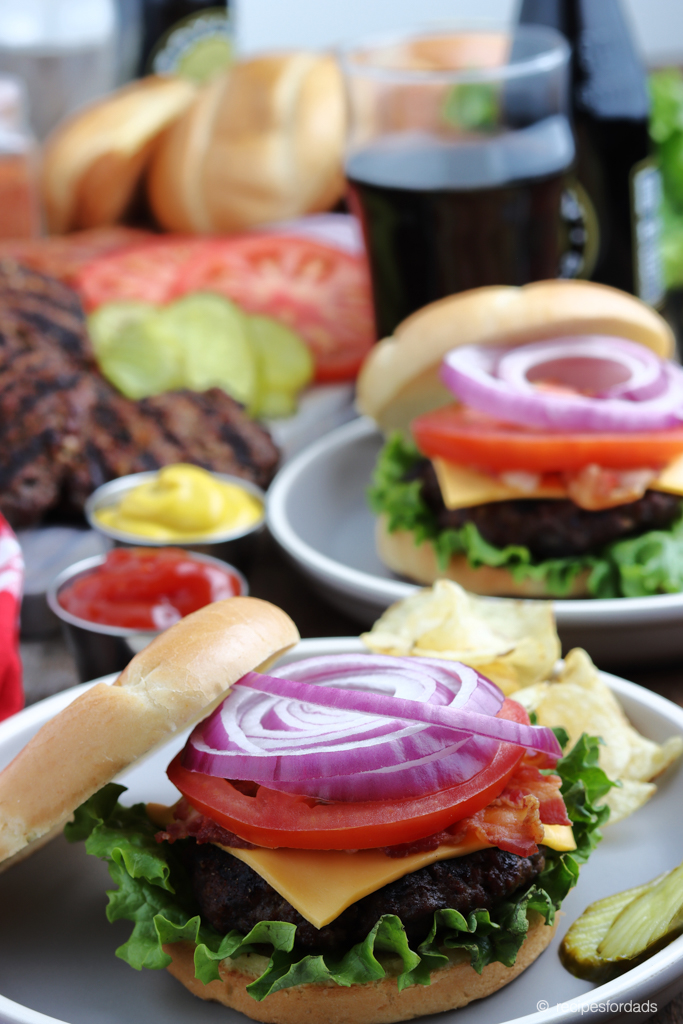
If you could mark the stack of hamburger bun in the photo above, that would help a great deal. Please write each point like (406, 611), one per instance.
(260, 143)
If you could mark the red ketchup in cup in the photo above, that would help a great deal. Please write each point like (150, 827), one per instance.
(147, 589)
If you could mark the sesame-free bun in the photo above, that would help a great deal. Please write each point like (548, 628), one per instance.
(263, 142)
(399, 379)
(418, 562)
(377, 1002)
(173, 683)
(93, 161)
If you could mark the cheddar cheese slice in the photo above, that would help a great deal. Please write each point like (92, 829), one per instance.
(462, 487)
(320, 884)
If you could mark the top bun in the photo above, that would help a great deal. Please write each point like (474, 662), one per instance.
(261, 143)
(399, 379)
(173, 683)
(93, 162)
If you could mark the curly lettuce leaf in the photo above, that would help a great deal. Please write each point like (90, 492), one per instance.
(649, 564)
(152, 892)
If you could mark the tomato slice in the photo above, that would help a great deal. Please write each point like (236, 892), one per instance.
(274, 819)
(320, 292)
(149, 273)
(470, 438)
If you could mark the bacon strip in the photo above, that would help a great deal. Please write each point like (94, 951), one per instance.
(546, 789)
(189, 823)
(512, 825)
(513, 822)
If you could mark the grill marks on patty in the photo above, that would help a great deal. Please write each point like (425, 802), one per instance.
(550, 528)
(231, 895)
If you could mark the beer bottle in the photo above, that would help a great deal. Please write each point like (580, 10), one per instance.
(619, 188)
(186, 37)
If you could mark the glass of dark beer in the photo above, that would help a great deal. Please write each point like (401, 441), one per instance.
(458, 150)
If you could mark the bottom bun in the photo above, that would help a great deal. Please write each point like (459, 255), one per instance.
(418, 562)
(378, 1002)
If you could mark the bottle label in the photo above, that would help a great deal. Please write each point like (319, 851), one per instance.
(197, 47)
(580, 232)
(646, 199)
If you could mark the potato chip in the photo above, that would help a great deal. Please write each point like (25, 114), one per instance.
(580, 701)
(627, 798)
(512, 642)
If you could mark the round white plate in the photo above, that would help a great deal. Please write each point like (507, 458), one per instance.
(57, 960)
(318, 513)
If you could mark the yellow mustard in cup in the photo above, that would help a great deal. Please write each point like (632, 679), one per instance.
(182, 502)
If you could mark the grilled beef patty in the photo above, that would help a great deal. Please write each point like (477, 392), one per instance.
(231, 895)
(550, 528)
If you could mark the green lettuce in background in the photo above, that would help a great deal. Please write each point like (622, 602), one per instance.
(649, 564)
(666, 131)
(152, 891)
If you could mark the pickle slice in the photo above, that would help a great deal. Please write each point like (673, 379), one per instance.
(106, 324)
(213, 337)
(141, 361)
(579, 948)
(285, 366)
(274, 405)
(649, 919)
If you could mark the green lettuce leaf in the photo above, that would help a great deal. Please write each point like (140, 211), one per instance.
(666, 94)
(666, 131)
(152, 892)
(649, 564)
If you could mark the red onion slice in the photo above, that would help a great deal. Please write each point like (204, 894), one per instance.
(634, 389)
(533, 737)
(270, 731)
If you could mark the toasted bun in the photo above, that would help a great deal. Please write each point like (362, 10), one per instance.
(261, 143)
(398, 380)
(375, 1003)
(171, 684)
(402, 555)
(93, 161)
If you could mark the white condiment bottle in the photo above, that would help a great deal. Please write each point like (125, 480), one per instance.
(19, 202)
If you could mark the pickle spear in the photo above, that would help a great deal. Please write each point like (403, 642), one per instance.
(579, 948)
(614, 934)
(646, 921)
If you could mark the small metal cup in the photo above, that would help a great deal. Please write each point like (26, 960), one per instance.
(235, 546)
(99, 650)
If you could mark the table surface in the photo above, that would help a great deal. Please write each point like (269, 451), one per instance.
(48, 667)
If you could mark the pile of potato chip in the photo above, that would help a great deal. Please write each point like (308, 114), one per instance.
(515, 643)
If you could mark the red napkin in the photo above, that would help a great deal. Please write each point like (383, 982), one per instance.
(11, 579)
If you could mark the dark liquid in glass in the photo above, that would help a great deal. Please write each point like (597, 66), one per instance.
(441, 218)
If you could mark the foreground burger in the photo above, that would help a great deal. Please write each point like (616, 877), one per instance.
(536, 443)
(359, 838)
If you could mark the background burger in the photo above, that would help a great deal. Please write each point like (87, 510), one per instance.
(348, 888)
(535, 443)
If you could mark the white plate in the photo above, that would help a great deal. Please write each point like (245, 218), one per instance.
(57, 949)
(317, 511)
